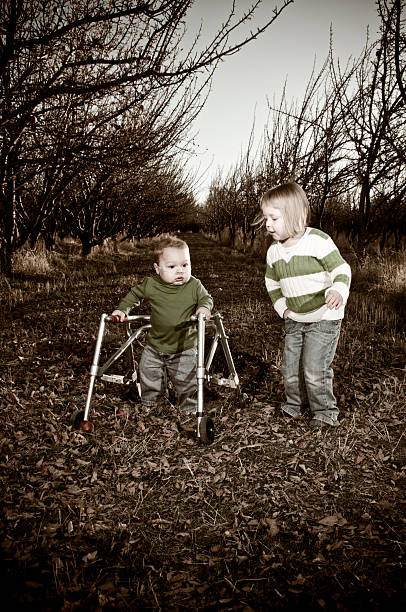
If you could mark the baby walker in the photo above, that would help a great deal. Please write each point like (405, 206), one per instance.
(205, 426)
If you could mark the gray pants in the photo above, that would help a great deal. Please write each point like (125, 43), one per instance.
(306, 368)
(155, 367)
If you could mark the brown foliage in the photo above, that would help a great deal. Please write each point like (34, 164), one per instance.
(137, 515)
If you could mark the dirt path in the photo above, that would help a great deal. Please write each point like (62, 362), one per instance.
(138, 516)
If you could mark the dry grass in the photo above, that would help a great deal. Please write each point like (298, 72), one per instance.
(138, 516)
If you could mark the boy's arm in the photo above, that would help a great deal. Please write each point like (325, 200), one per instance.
(118, 315)
(204, 311)
(204, 299)
(133, 298)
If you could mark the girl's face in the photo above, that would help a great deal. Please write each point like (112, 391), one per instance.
(174, 266)
(274, 223)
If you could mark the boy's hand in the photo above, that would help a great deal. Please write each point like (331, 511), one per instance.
(118, 315)
(205, 311)
(333, 299)
(286, 313)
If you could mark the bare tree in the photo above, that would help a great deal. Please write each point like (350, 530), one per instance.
(117, 157)
(345, 142)
(159, 201)
(93, 53)
(305, 142)
(392, 21)
(373, 119)
(213, 214)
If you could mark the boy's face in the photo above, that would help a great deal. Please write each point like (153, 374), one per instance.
(274, 223)
(174, 266)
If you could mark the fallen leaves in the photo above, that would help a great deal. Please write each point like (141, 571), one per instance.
(137, 515)
(333, 520)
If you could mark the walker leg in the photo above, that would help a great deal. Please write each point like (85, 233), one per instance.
(80, 418)
(95, 364)
(205, 426)
(200, 372)
(226, 349)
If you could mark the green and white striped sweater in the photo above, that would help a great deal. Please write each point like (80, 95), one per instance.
(298, 277)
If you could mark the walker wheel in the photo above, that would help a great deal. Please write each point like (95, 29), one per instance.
(80, 424)
(77, 418)
(86, 426)
(206, 430)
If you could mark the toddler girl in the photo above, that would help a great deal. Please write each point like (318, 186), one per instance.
(308, 282)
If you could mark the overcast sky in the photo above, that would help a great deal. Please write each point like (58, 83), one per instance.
(287, 51)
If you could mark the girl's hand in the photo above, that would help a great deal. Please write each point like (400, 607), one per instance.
(118, 315)
(286, 313)
(205, 311)
(334, 299)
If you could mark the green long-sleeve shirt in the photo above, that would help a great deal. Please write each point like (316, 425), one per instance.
(171, 309)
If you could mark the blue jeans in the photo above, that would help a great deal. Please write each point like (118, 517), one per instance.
(154, 370)
(308, 377)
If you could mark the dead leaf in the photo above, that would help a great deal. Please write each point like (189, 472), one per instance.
(89, 557)
(334, 519)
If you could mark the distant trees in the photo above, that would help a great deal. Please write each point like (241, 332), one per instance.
(93, 93)
(373, 120)
(344, 143)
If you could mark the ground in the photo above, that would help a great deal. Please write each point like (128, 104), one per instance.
(138, 515)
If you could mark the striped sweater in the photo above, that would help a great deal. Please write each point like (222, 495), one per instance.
(298, 277)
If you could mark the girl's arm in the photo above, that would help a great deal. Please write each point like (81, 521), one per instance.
(340, 273)
(274, 291)
(333, 299)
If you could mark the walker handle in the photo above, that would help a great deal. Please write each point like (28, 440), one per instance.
(116, 319)
(127, 319)
(194, 317)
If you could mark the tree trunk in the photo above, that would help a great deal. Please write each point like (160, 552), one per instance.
(86, 247)
(6, 230)
(363, 219)
(5, 260)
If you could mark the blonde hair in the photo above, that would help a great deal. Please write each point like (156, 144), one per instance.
(167, 242)
(291, 200)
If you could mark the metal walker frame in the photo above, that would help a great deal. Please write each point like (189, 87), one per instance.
(205, 426)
